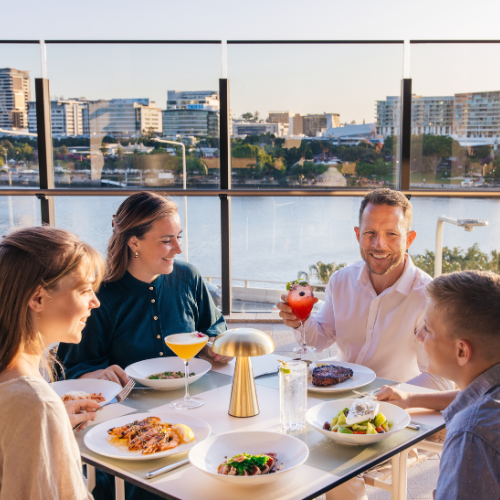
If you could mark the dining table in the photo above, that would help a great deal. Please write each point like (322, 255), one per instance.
(328, 465)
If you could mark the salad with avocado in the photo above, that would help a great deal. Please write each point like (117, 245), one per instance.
(378, 425)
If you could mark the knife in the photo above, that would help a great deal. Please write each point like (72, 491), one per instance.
(168, 468)
(266, 373)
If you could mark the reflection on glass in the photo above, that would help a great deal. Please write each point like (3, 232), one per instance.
(107, 139)
(455, 118)
(316, 126)
(276, 240)
(19, 66)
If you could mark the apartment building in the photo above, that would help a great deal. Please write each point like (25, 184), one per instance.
(69, 117)
(124, 117)
(388, 113)
(477, 114)
(15, 93)
(429, 115)
(472, 115)
(191, 113)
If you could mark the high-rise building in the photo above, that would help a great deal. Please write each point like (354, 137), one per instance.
(313, 125)
(124, 117)
(193, 99)
(432, 115)
(191, 113)
(472, 115)
(477, 114)
(69, 117)
(388, 112)
(15, 92)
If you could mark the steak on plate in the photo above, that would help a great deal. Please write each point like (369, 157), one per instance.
(330, 375)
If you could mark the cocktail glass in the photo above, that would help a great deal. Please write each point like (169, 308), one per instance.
(186, 346)
(301, 300)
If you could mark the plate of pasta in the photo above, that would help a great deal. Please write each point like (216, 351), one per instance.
(98, 390)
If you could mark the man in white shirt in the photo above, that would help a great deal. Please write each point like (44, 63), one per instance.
(373, 309)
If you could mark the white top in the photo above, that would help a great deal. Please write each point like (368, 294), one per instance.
(377, 331)
(39, 457)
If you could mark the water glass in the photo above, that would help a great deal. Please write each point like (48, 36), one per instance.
(293, 396)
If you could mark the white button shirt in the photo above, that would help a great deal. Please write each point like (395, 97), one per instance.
(377, 331)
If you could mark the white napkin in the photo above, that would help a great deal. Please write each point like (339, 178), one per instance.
(112, 411)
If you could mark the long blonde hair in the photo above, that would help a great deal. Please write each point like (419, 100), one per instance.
(31, 258)
(135, 217)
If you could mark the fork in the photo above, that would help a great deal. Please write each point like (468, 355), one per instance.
(117, 399)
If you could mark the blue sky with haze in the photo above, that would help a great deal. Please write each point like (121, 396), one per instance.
(345, 79)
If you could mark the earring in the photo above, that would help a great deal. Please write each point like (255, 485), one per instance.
(136, 255)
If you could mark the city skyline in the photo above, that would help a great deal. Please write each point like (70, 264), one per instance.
(308, 78)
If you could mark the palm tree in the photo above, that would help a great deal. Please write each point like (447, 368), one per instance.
(322, 271)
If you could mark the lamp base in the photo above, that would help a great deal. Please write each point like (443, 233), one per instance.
(243, 393)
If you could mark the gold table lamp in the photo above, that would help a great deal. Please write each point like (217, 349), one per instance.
(243, 343)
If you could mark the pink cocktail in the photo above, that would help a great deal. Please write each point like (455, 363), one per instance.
(301, 300)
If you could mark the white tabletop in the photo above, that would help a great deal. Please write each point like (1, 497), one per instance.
(328, 464)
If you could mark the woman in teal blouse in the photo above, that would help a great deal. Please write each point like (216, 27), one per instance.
(146, 295)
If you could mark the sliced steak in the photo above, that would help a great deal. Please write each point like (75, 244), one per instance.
(330, 375)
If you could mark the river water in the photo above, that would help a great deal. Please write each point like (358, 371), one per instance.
(272, 238)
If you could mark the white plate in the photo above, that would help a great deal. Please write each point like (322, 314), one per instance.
(97, 439)
(361, 376)
(207, 456)
(143, 369)
(324, 412)
(107, 388)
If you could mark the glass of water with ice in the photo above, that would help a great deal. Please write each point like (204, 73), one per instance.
(293, 395)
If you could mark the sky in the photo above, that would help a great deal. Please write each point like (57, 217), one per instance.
(344, 79)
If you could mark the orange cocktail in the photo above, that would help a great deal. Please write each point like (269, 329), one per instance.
(186, 346)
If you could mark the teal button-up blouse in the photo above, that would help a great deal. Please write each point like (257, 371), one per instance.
(135, 317)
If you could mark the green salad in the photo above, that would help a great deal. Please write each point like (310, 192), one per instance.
(377, 425)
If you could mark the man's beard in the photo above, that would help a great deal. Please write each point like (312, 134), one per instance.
(396, 260)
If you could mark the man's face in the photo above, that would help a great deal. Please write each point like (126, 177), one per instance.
(383, 237)
(439, 346)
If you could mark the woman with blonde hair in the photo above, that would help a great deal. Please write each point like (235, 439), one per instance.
(47, 282)
(146, 294)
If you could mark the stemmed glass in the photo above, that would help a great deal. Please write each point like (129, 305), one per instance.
(301, 300)
(186, 346)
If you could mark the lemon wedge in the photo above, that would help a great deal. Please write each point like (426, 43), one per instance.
(284, 368)
(186, 435)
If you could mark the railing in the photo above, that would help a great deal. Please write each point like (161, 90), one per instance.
(403, 160)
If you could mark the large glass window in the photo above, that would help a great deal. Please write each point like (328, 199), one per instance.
(19, 66)
(314, 115)
(113, 104)
(455, 116)
(91, 216)
(275, 240)
(18, 211)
